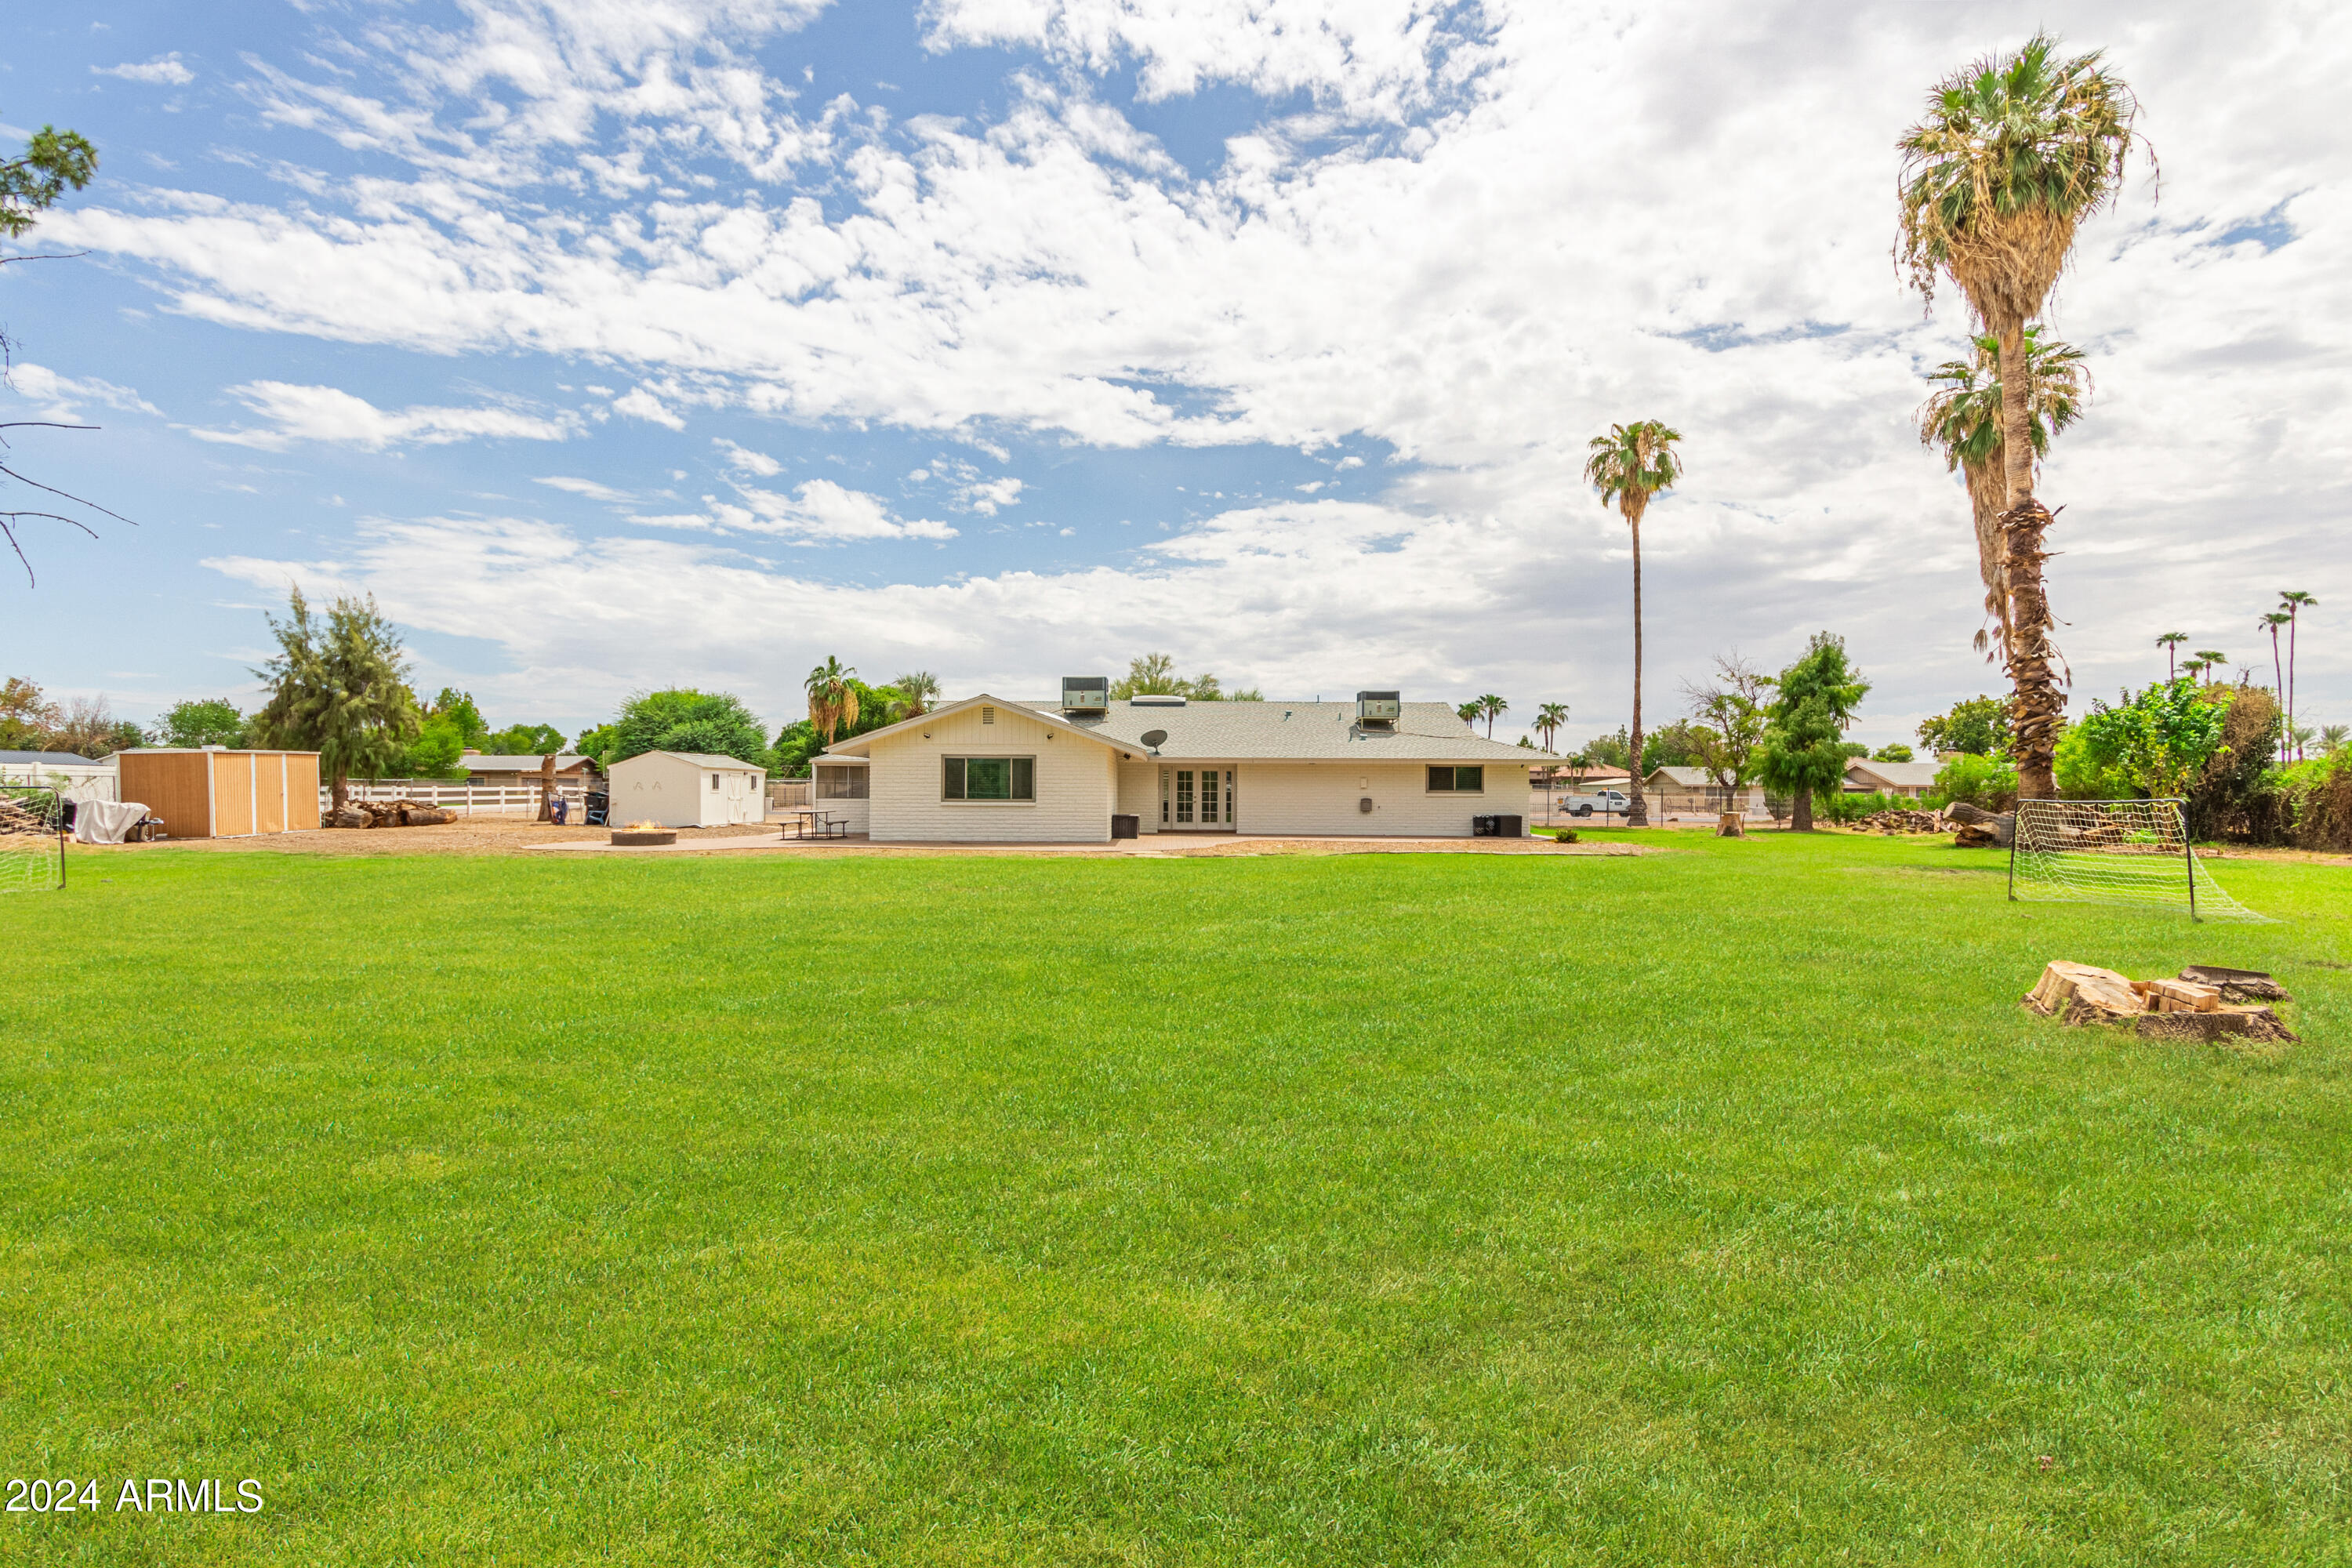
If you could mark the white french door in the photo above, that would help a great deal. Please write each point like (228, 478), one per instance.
(1197, 799)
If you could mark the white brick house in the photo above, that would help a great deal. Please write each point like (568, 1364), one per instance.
(990, 771)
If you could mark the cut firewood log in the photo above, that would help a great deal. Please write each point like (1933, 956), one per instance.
(2237, 985)
(348, 816)
(413, 813)
(2179, 995)
(2003, 827)
(2083, 994)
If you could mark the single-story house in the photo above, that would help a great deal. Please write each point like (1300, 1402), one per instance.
(47, 767)
(1911, 780)
(688, 789)
(482, 768)
(1695, 790)
(987, 770)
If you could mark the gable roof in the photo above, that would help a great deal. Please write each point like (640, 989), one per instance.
(1902, 776)
(499, 762)
(1682, 778)
(1263, 731)
(47, 760)
(700, 759)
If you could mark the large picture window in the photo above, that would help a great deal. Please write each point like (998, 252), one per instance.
(1457, 781)
(988, 778)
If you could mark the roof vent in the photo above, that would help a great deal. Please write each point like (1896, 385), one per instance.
(1379, 709)
(1085, 693)
(1157, 699)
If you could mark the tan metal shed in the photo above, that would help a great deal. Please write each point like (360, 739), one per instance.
(212, 794)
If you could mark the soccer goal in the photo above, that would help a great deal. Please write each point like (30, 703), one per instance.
(2115, 852)
(31, 847)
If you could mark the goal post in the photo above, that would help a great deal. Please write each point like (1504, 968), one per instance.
(32, 840)
(2115, 852)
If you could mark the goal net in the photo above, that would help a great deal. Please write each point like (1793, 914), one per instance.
(2115, 852)
(32, 859)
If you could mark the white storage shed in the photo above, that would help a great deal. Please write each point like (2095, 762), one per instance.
(688, 789)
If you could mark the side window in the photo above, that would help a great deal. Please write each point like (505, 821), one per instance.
(1457, 781)
(714, 781)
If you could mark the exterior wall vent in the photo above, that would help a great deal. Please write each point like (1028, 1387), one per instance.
(1379, 709)
(1085, 693)
(1157, 700)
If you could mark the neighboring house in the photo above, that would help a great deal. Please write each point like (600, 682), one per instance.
(1911, 780)
(481, 768)
(688, 789)
(990, 771)
(1695, 790)
(76, 777)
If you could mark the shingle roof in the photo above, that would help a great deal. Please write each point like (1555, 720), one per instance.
(45, 759)
(1905, 775)
(485, 763)
(1270, 732)
(1428, 732)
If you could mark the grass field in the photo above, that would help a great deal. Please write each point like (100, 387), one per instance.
(1714, 1206)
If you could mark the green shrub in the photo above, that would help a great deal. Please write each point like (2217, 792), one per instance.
(1987, 782)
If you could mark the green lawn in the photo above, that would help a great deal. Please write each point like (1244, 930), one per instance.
(1716, 1206)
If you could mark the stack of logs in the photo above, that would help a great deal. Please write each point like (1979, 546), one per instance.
(15, 818)
(388, 814)
(2205, 1003)
(1895, 820)
(1971, 827)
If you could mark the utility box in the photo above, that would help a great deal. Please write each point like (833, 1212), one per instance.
(209, 793)
(1498, 827)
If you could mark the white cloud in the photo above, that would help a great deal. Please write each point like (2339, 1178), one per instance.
(821, 510)
(640, 404)
(745, 460)
(1370, 57)
(587, 488)
(329, 413)
(61, 397)
(164, 69)
(1504, 226)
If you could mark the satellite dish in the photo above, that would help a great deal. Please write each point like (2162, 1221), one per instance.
(1152, 738)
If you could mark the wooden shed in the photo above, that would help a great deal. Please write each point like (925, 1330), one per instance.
(212, 794)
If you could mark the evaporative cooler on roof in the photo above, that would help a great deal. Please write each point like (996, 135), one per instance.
(1085, 693)
(1379, 709)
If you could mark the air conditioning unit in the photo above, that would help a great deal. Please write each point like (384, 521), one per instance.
(1379, 709)
(1085, 693)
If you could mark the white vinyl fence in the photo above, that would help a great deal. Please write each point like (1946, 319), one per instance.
(466, 799)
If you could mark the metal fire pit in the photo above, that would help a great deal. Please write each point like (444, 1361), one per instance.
(626, 837)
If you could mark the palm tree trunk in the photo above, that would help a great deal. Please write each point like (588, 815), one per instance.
(1988, 494)
(2286, 740)
(2292, 610)
(1637, 808)
(2036, 705)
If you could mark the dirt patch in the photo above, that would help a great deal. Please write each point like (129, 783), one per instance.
(505, 834)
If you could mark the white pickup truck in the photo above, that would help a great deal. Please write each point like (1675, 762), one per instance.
(1605, 801)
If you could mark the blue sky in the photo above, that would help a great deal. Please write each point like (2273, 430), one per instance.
(614, 346)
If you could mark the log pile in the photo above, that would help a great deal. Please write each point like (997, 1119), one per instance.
(1897, 819)
(2190, 1007)
(388, 814)
(15, 818)
(1976, 828)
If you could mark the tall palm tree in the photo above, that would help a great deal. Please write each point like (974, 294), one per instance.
(1963, 417)
(2169, 642)
(1549, 719)
(1628, 466)
(919, 692)
(832, 701)
(2295, 603)
(1491, 708)
(2270, 623)
(2014, 153)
